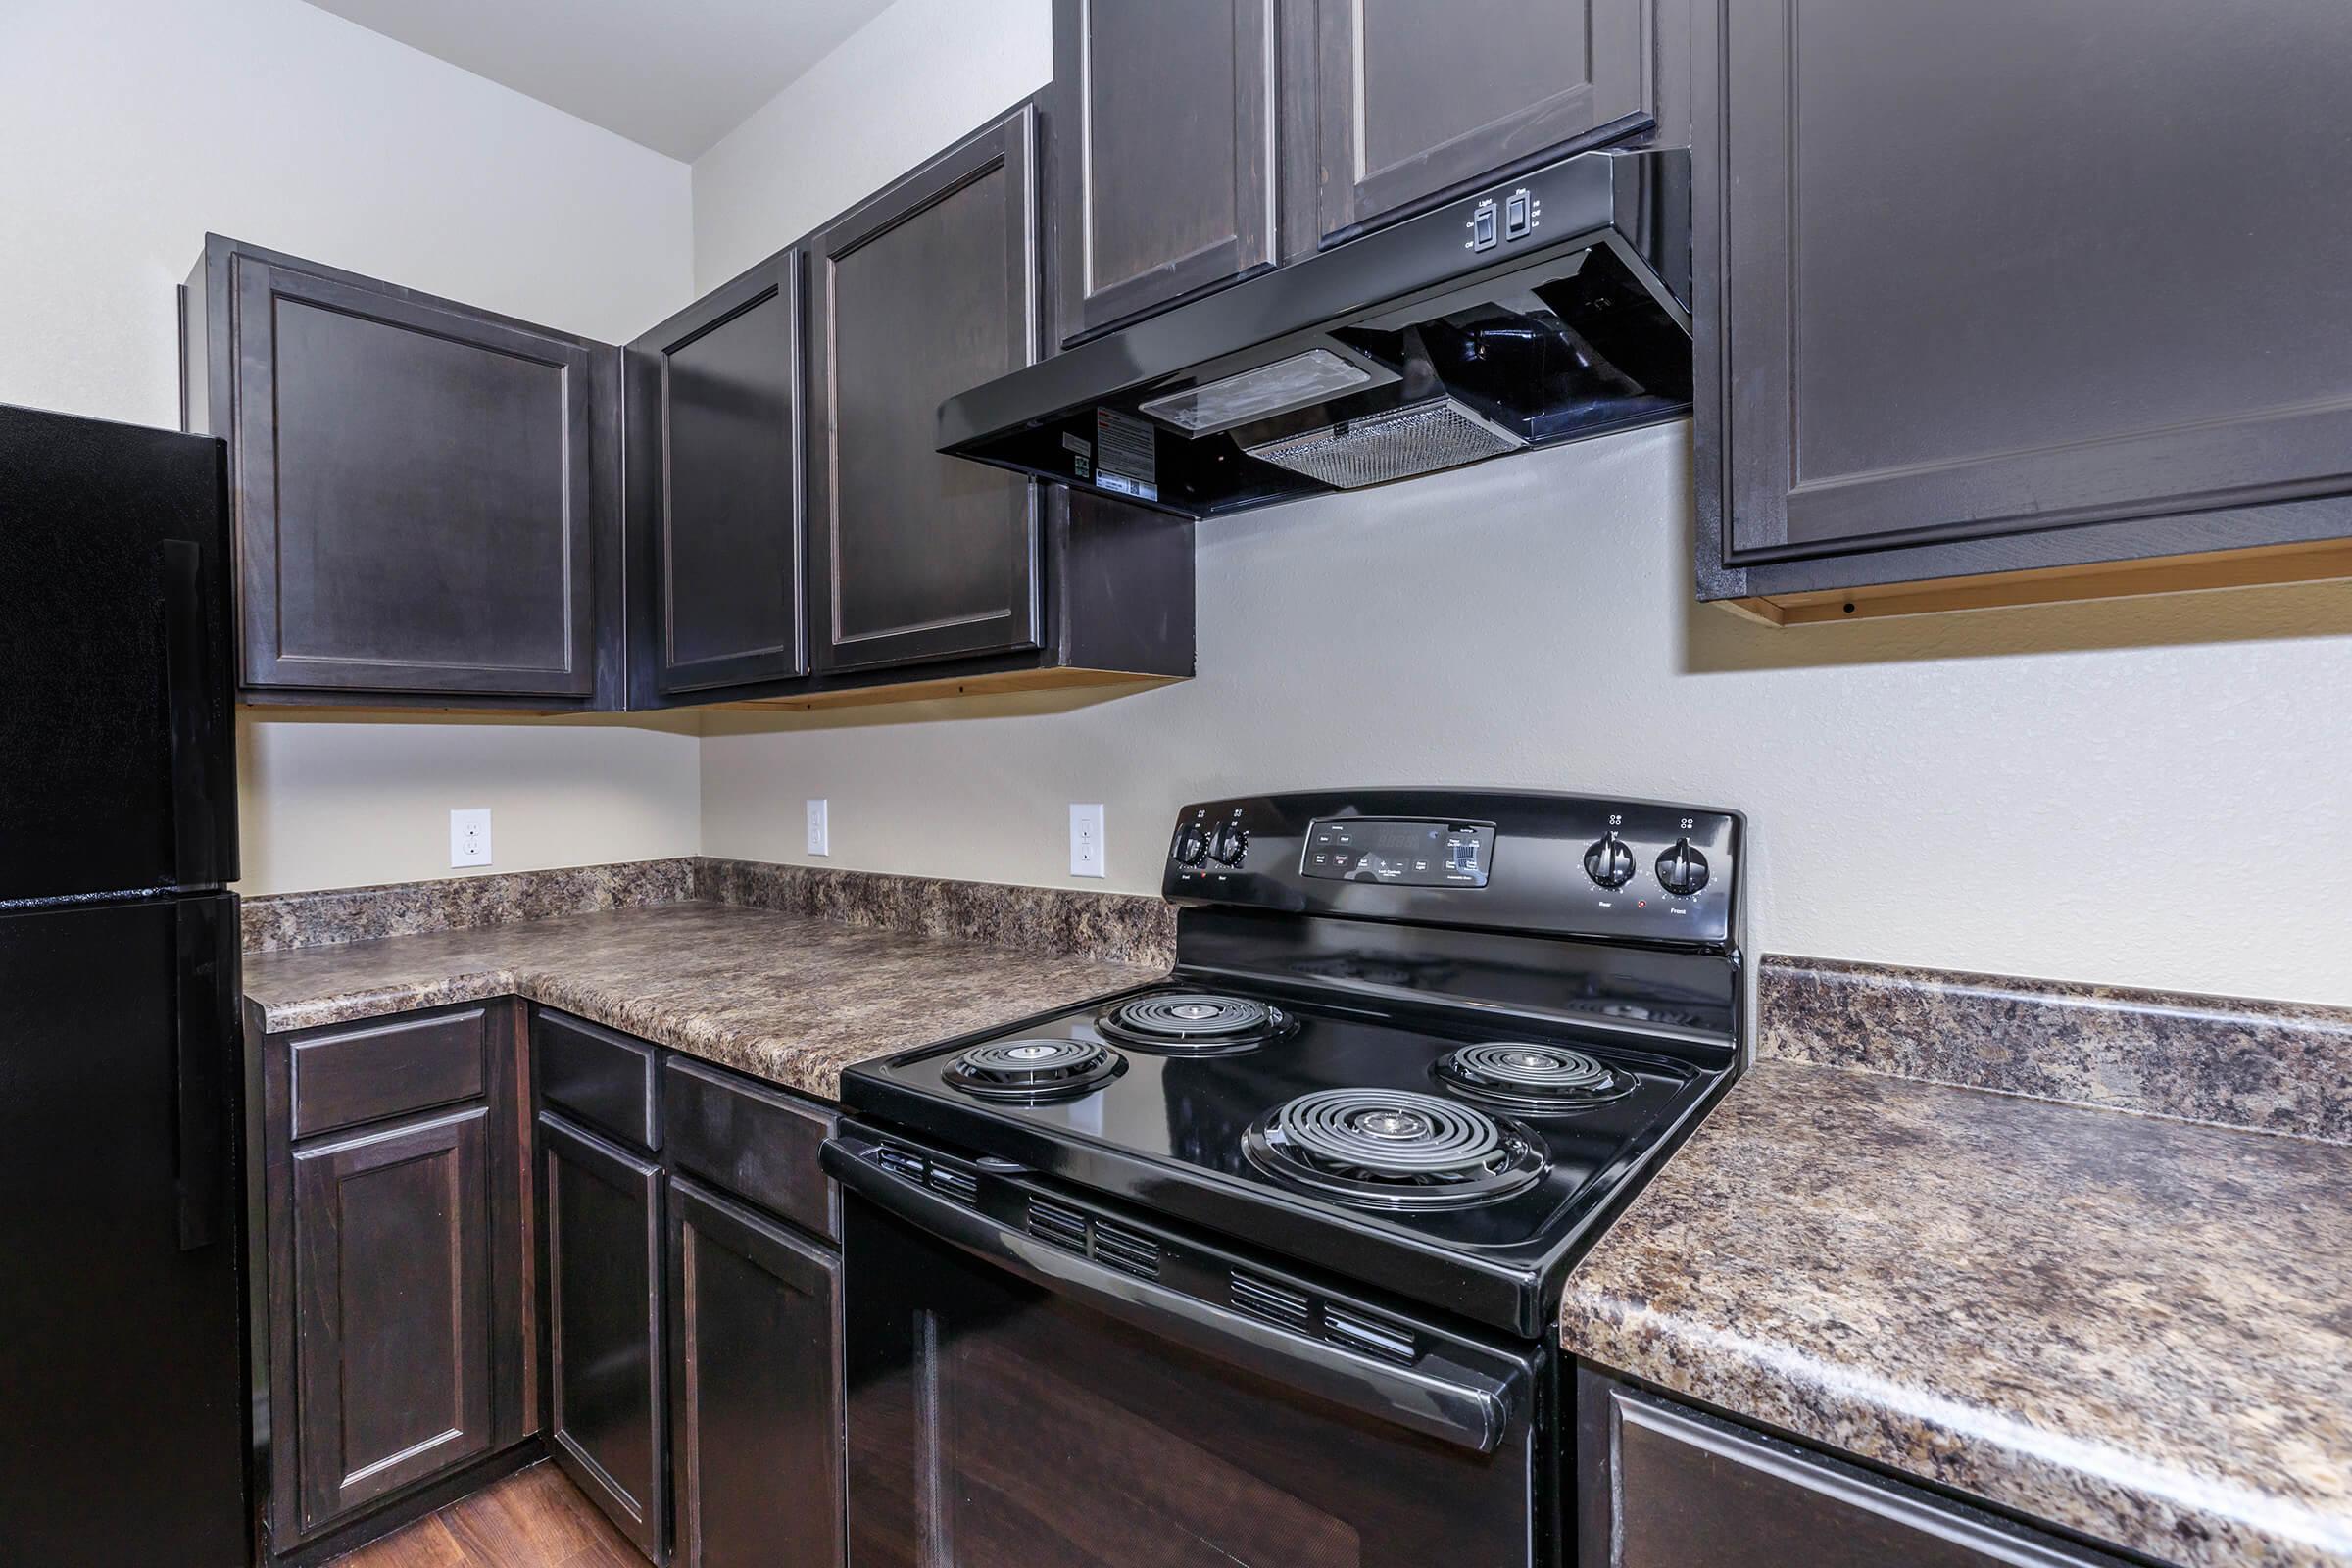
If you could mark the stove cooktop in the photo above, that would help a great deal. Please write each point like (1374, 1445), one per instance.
(1420, 1151)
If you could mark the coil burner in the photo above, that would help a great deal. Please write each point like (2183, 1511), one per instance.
(1034, 1071)
(1531, 1078)
(1394, 1148)
(1195, 1024)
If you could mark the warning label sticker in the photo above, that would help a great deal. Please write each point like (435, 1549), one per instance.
(1124, 458)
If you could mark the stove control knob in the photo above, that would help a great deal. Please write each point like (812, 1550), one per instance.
(1681, 870)
(1230, 843)
(1192, 845)
(1609, 862)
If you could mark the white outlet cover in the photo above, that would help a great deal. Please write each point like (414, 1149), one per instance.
(820, 841)
(470, 836)
(1086, 840)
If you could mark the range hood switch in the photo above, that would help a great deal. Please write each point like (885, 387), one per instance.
(1481, 225)
(1516, 216)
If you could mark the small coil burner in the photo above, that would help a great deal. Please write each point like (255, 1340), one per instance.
(1531, 1078)
(1195, 1024)
(1034, 1070)
(1394, 1148)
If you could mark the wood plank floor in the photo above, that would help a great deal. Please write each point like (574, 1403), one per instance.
(534, 1518)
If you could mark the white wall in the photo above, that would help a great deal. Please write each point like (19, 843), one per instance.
(901, 88)
(132, 127)
(2146, 792)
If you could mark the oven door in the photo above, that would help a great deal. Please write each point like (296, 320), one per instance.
(1036, 1381)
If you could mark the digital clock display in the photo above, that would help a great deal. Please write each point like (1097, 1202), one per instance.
(1399, 851)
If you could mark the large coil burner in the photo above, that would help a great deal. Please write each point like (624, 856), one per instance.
(1394, 1148)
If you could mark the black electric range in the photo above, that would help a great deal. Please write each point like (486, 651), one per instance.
(1418, 1048)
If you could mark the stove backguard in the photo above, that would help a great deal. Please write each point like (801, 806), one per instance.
(1621, 917)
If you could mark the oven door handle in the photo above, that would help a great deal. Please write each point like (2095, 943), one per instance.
(1469, 1407)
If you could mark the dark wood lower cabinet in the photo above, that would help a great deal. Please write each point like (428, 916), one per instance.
(755, 1397)
(1663, 1486)
(392, 1310)
(603, 1223)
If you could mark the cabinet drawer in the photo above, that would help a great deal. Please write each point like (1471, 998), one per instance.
(387, 1067)
(752, 1142)
(1661, 1486)
(603, 1078)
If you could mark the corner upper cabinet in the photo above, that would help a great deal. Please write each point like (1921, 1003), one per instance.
(1164, 117)
(926, 289)
(715, 493)
(425, 494)
(1977, 296)
(1403, 102)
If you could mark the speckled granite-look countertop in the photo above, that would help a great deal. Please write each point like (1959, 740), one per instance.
(2136, 1327)
(792, 998)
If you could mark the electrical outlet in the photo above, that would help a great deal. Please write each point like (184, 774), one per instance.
(819, 841)
(470, 837)
(1086, 841)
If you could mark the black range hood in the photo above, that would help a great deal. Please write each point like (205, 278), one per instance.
(1552, 307)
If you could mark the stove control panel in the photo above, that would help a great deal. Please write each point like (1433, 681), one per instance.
(1499, 860)
(1403, 852)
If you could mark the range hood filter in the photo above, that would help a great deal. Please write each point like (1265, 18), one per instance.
(1439, 432)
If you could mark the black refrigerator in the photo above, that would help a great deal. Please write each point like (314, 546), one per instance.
(124, 1417)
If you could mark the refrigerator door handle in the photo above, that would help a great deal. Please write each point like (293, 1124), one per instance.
(193, 716)
(204, 1029)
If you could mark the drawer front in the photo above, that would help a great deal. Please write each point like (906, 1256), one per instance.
(605, 1078)
(387, 1067)
(752, 1142)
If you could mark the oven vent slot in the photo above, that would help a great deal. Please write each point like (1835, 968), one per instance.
(1387, 1340)
(1126, 1250)
(961, 1186)
(899, 1162)
(1275, 1303)
(1062, 1227)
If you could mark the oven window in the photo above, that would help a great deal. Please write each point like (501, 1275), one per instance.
(996, 1425)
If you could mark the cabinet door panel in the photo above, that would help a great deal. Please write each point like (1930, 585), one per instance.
(393, 1327)
(603, 1318)
(1982, 276)
(714, 442)
(415, 492)
(757, 1390)
(1165, 136)
(927, 290)
(1412, 100)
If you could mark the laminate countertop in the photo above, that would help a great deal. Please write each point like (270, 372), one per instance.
(791, 998)
(2134, 1327)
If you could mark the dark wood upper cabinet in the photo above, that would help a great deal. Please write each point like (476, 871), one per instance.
(1975, 295)
(715, 493)
(1165, 168)
(603, 1223)
(426, 495)
(392, 1310)
(1661, 1486)
(756, 1414)
(927, 289)
(1405, 102)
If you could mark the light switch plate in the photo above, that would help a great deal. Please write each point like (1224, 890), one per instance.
(1086, 840)
(820, 842)
(470, 836)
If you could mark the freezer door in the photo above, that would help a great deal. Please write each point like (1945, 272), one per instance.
(123, 1415)
(116, 734)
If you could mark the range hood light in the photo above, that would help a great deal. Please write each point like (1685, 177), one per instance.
(1301, 381)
